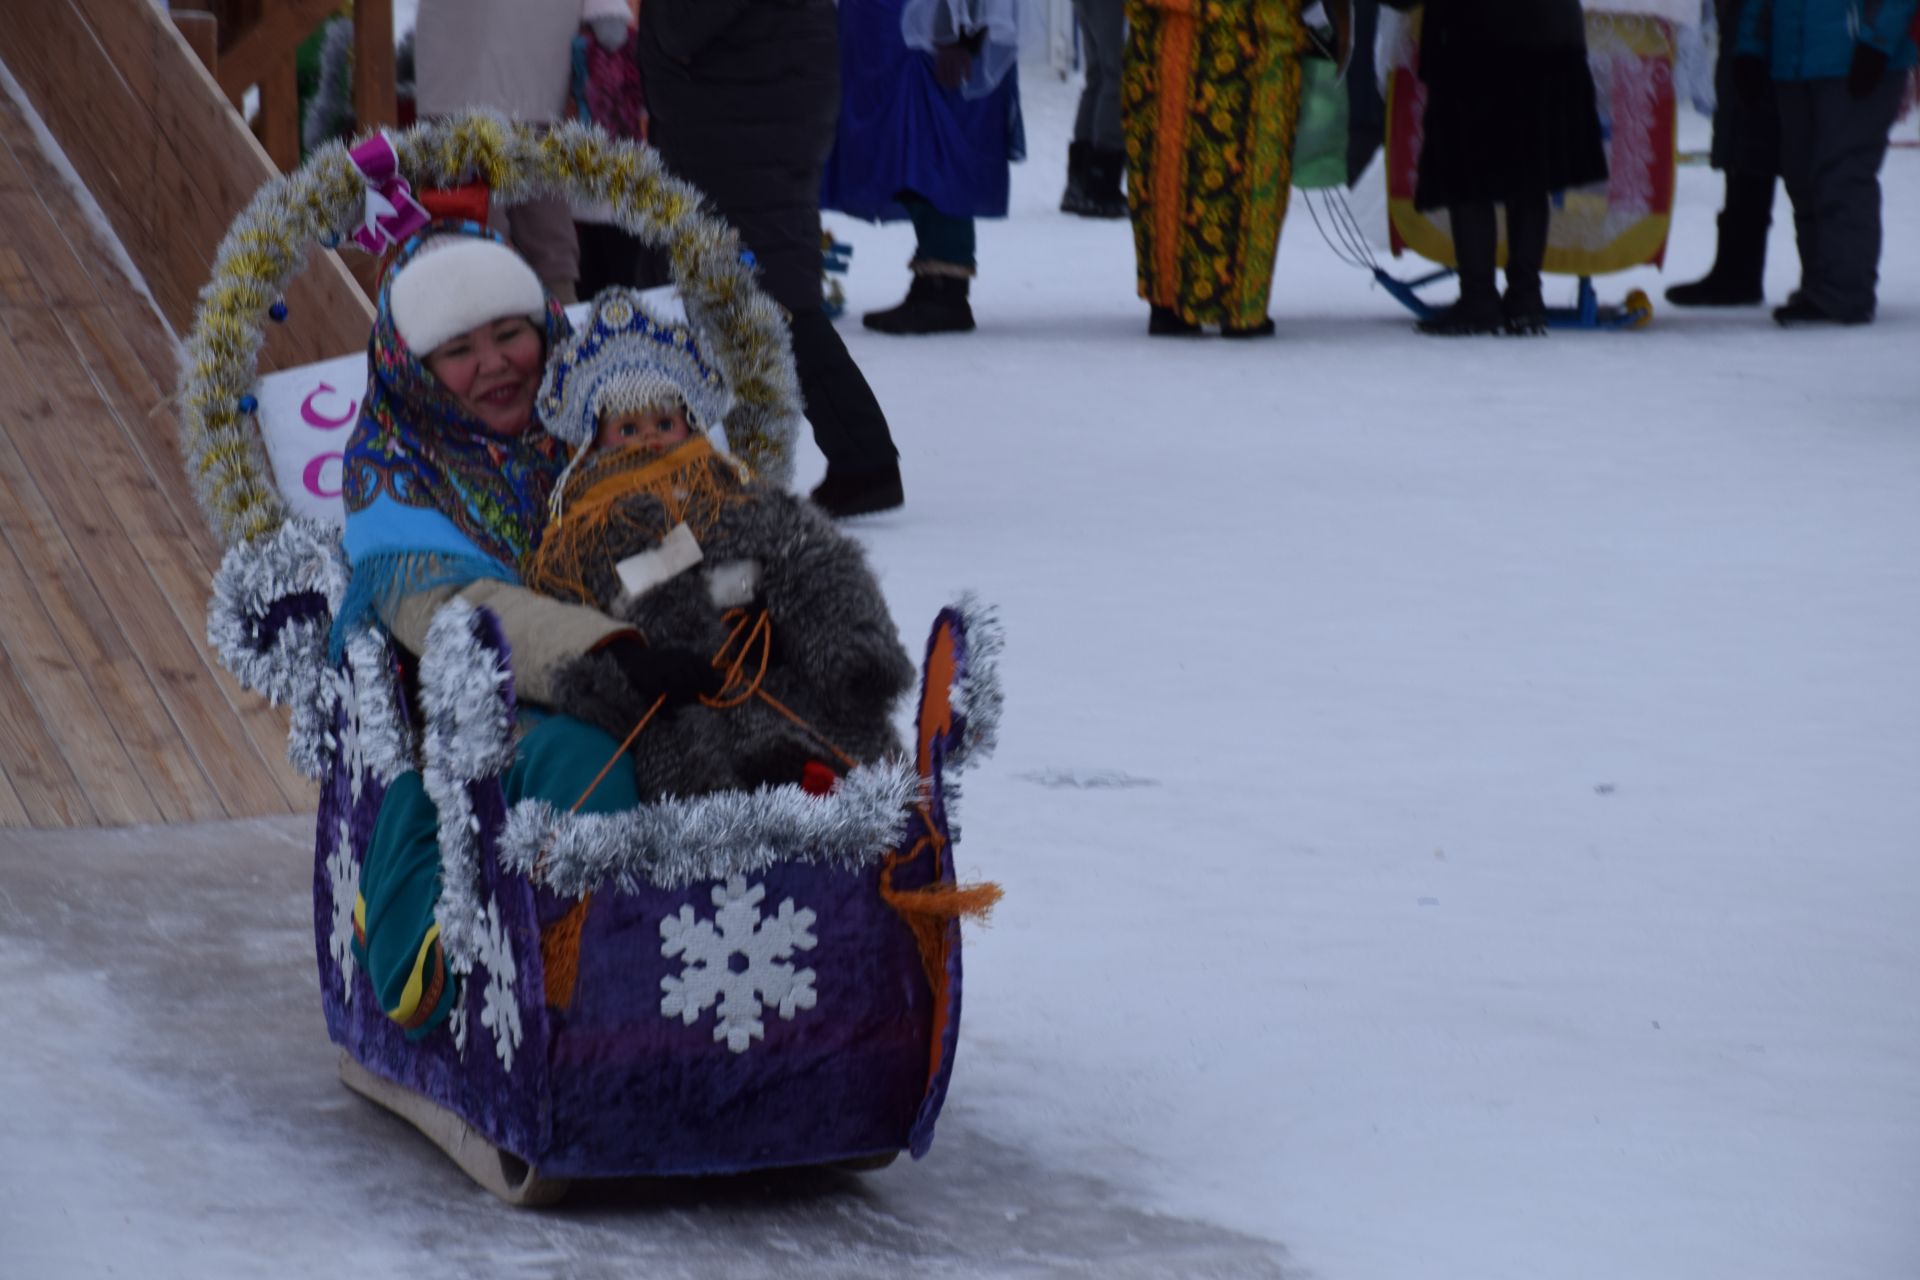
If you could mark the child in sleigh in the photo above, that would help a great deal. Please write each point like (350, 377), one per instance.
(657, 528)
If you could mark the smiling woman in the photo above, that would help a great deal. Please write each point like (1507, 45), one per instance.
(468, 306)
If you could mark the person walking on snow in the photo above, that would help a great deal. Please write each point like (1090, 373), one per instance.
(1836, 69)
(744, 100)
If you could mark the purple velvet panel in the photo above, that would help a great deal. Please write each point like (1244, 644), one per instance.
(611, 1086)
(641, 1092)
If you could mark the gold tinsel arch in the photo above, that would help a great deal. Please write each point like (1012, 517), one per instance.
(322, 202)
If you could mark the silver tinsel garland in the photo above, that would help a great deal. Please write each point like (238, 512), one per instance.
(466, 692)
(388, 745)
(976, 696)
(287, 667)
(680, 842)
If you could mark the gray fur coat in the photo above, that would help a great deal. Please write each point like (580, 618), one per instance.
(836, 657)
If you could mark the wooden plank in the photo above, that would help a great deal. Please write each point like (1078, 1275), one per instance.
(278, 123)
(13, 813)
(17, 286)
(165, 156)
(375, 105)
(64, 536)
(156, 511)
(181, 571)
(259, 51)
(145, 412)
(172, 648)
(201, 31)
(31, 760)
(61, 692)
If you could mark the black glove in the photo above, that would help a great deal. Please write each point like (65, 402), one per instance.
(1868, 69)
(678, 675)
(1751, 78)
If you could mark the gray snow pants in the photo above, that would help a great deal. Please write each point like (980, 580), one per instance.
(1103, 42)
(1831, 148)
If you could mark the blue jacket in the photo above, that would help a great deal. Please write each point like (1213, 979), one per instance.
(1814, 39)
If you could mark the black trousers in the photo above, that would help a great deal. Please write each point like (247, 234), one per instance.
(1831, 147)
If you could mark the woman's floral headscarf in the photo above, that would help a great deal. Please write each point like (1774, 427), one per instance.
(432, 497)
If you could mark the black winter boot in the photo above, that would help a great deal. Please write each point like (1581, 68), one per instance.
(934, 304)
(1738, 277)
(1478, 312)
(1165, 322)
(1100, 195)
(1076, 194)
(859, 493)
(1523, 306)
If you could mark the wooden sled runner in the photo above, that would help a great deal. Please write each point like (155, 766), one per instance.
(709, 985)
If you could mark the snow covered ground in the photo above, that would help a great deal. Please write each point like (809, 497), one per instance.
(1456, 804)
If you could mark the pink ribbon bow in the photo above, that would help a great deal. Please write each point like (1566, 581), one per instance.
(392, 213)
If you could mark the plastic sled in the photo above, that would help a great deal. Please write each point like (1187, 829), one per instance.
(701, 986)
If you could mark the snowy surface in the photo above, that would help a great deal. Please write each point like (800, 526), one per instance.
(1456, 804)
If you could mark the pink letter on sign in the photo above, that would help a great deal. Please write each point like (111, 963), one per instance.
(313, 418)
(313, 476)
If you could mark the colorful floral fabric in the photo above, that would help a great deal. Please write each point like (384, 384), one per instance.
(1211, 96)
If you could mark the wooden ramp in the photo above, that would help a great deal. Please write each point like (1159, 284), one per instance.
(112, 709)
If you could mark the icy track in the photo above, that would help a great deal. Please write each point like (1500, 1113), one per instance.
(1457, 806)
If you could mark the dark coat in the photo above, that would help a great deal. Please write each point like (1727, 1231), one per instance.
(1455, 32)
(1510, 101)
(744, 96)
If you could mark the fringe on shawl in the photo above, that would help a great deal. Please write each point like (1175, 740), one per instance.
(380, 581)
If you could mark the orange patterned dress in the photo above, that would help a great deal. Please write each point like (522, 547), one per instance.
(1211, 97)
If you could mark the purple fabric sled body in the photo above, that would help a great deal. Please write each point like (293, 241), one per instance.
(621, 1079)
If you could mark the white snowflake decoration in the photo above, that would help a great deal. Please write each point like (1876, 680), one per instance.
(708, 949)
(457, 1022)
(499, 1008)
(352, 756)
(344, 873)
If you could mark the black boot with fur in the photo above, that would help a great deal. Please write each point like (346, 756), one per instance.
(934, 304)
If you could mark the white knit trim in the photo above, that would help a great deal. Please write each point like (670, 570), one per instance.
(458, 284)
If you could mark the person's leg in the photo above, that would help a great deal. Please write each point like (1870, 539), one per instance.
(1476, 240)
(1738, 275)
(1849, 146)
(942, 266)
(1797, 136)
(542, 230)
(1103, 27)
(396, 938)
(863, 467)
(558, 759)
(1528, 217)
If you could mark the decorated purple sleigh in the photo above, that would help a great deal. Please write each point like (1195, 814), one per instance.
(732, 982)
(721, 994)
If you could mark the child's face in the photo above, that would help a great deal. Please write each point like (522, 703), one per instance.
(654, 430)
